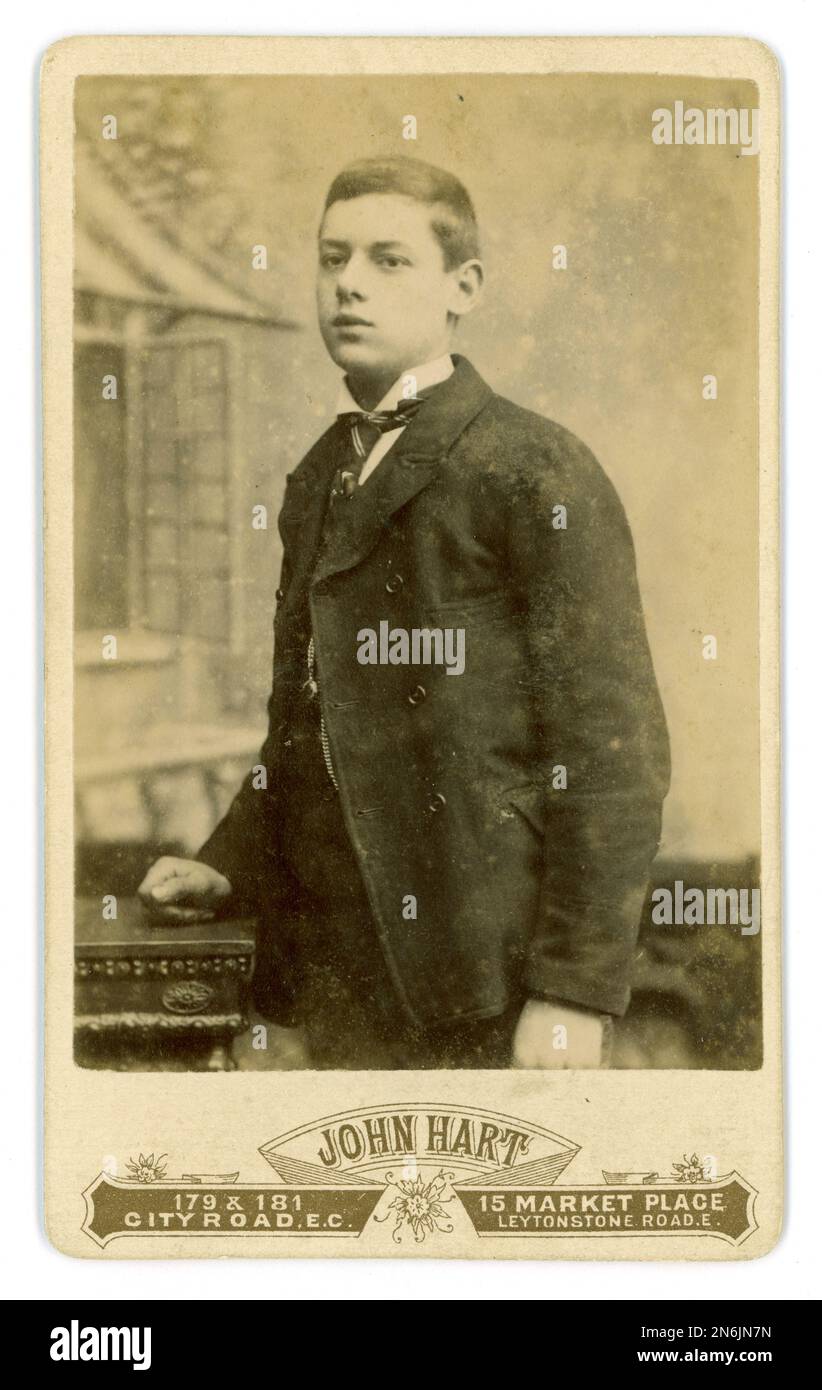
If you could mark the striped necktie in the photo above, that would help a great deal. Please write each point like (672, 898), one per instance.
(365, 428)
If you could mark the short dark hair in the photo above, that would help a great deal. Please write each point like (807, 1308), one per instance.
(454, 222)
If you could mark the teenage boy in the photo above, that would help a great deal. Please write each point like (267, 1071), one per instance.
(449, 864)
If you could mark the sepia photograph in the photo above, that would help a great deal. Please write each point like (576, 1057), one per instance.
(415, 582)
(412, 668)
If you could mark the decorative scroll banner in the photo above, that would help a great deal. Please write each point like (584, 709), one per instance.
(419, 1171)
(723, 1208)
(117, 1208)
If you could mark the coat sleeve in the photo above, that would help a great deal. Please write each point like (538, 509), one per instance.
(597, 715)
(243, 846)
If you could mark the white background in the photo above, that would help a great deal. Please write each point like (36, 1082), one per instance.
(32, 1269)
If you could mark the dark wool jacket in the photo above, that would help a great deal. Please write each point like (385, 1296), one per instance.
(454, 795)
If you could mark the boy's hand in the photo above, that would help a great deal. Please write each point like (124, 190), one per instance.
(539, 1044)
(183, 890)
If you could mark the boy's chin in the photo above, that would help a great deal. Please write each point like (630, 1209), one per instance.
(358, 359)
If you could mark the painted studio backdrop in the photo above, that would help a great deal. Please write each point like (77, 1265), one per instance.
(195, 258)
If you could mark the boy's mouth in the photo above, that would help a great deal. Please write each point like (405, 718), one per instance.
(350, 321)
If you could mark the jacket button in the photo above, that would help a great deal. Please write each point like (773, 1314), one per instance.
(280, 595)
(417, 695)
(394, 584)
(436, 803)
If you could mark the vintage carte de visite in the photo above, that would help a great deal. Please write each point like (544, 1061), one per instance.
(412, 648)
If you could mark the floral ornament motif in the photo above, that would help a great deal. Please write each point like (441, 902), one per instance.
(419, 1205)
(187, 997)
(692, 1170)
(149, 1169)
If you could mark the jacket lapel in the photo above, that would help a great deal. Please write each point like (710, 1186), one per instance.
(306, 498)
(406, 469)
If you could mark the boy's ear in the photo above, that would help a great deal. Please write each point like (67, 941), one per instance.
(467, 282)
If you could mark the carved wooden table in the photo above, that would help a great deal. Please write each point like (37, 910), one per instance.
(158, 997)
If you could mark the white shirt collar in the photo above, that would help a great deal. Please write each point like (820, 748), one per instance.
(429, 374)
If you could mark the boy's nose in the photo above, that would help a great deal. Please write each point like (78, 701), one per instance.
(349, 281)
(349, 295)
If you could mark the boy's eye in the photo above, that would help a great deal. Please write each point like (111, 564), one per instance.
(391, 262)
(332, 260)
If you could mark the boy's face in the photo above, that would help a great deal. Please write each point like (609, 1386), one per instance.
(383, 293)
